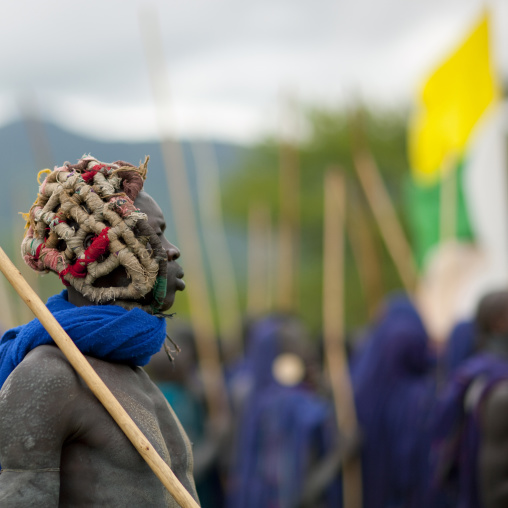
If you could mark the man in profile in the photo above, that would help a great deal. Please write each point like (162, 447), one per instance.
(95, 227)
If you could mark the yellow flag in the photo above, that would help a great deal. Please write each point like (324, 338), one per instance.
(450, 104)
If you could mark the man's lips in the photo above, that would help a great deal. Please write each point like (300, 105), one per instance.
(180, 283)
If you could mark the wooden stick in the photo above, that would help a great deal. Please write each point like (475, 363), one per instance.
(95, 383)
(333, 327)
(366, 256)
(185, 221)
(216, 243)
(386, 217)
(448, 200)
(259, 260)
(7, 319)
(23, 314)
(289, 189)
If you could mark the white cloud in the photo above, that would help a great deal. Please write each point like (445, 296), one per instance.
(228, 60)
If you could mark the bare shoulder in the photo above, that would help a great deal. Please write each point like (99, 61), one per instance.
(43, 365)
(46, 357)
(42, 379)
(37, 404)
(494, 414)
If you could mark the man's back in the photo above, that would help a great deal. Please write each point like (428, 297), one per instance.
(59, 446)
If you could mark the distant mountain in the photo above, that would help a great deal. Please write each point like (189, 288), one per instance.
(29, 146)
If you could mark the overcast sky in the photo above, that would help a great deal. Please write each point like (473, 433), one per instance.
(228, 61)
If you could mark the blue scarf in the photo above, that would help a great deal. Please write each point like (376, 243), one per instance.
(107, 332)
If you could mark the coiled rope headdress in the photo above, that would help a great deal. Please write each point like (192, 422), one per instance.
(84, 224)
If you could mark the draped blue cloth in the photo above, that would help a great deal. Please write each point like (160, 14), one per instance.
(282, 430)
(108, 332)
(393, 393)
(456, 432)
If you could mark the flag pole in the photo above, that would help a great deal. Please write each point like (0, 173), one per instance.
(448, 200)
(185, 221)
(95, 383)
(333, 327)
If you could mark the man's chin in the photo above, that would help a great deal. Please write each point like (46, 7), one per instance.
(168, 303)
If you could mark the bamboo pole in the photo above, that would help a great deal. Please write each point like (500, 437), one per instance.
(185, 222)
(216, 243)
(366, 256)
(386, 217)
(259, 260)
(289, 199)
(40, 146)
(333, 327)
(22, 312)
(7, 313)
(95, 383)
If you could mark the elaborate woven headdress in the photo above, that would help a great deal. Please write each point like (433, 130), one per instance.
(84, 224)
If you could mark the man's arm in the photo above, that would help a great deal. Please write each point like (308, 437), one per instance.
(493, 453)
(35, 406)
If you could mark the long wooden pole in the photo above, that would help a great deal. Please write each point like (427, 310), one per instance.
(95, 383)
(185, 221)
(366, 256)
(384, 212)
(289, 199)
(7, 316)
(448, 200)
(259, 257)
(333, 327)
(216, 243)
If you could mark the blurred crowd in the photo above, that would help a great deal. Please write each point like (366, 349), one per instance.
(426, 436)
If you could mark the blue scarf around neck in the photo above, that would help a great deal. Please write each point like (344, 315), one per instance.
(107, 332)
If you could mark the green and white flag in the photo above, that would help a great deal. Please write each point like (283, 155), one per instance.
(458, 195)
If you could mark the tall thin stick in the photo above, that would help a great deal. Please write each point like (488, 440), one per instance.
(366, 256)
(95, 383)
(259, 260)
(185, 222)
(386, 217)
(22, 312)
(289, 190)
(7, 315)
(216, 243)
(333, 326)
(448, 200)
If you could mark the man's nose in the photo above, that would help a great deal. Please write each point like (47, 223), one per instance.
(173, 252)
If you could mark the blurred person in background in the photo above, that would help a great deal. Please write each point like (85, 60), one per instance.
(284, 428)
(460, 346)
(470, 441)
(394, 391)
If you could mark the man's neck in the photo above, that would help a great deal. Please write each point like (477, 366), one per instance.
(77, 299)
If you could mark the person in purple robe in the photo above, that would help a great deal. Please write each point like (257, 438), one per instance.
(393, 391)
(470, 438)
(284, 427)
